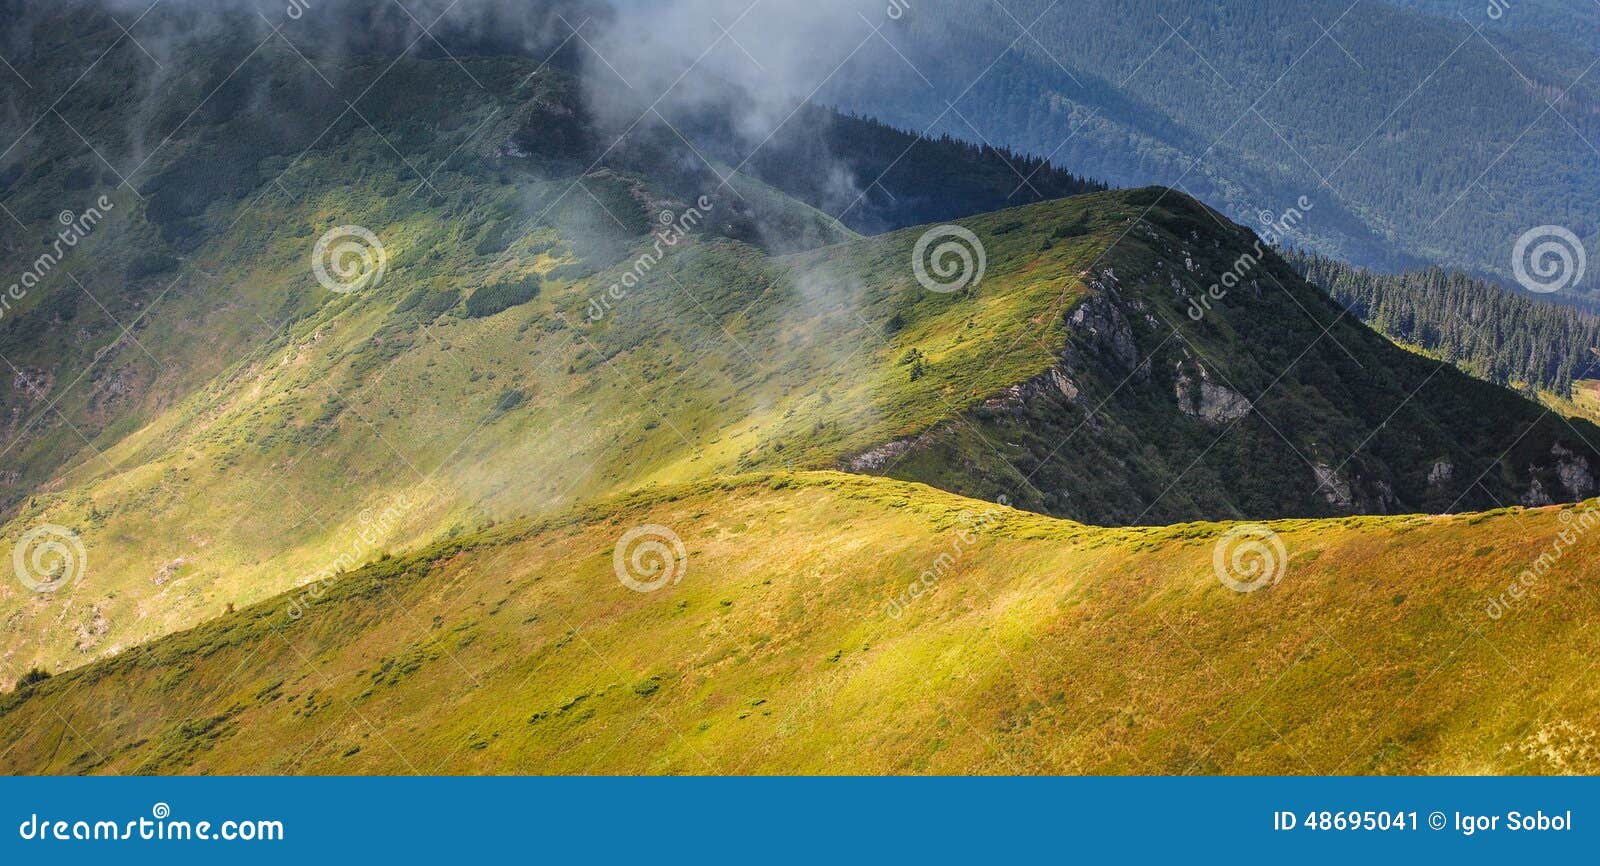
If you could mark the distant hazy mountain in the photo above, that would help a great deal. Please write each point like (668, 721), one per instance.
(1421, 130)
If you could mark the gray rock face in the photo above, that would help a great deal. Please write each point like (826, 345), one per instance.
(1442, 472)
(1536, 495)
(1057, 380)
(1387, 502)
(1103, 335)
(1101, 322)
(1063, 384)
(1210, 401)
(879, 456)
(1333, 488)
(1573, 471)
(1103, 331)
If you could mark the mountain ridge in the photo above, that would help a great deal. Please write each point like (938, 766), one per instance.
(819, 356)
(1197, 363)
(780, 647)
(336, 481)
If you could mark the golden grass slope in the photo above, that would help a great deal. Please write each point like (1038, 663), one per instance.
(1044, 646)
(724, 359)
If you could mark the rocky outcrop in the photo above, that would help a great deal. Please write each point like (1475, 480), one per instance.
(1100, 335)
(1143, 416)
(92, 630)
(169, 571)
(1573, 472)
(1055, 380)
(1208, 400)
(1100, 325)
(1536, 495)
(1574, 479)
(1100, 331)
(1333, 488)
(876, 458)
(1387, 502)
(1441, 472)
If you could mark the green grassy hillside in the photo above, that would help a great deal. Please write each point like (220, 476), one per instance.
(789, 642)
(217, 426)
(383, 420)
(425, 424)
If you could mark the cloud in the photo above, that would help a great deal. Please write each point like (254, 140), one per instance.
(760, 59)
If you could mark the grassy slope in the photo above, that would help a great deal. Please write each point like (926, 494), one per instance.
(1047, 647)
(277, 419)
(270, 420)
(1584, 402)
(722, 359)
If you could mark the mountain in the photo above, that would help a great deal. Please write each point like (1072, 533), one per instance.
(1549, 22)
(874, 178)
(1196, 375)
(268, 135)
(1423, 132)
(343, 375)
(789, 641)
(397, 415)
(563, 315)
(219, 424)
